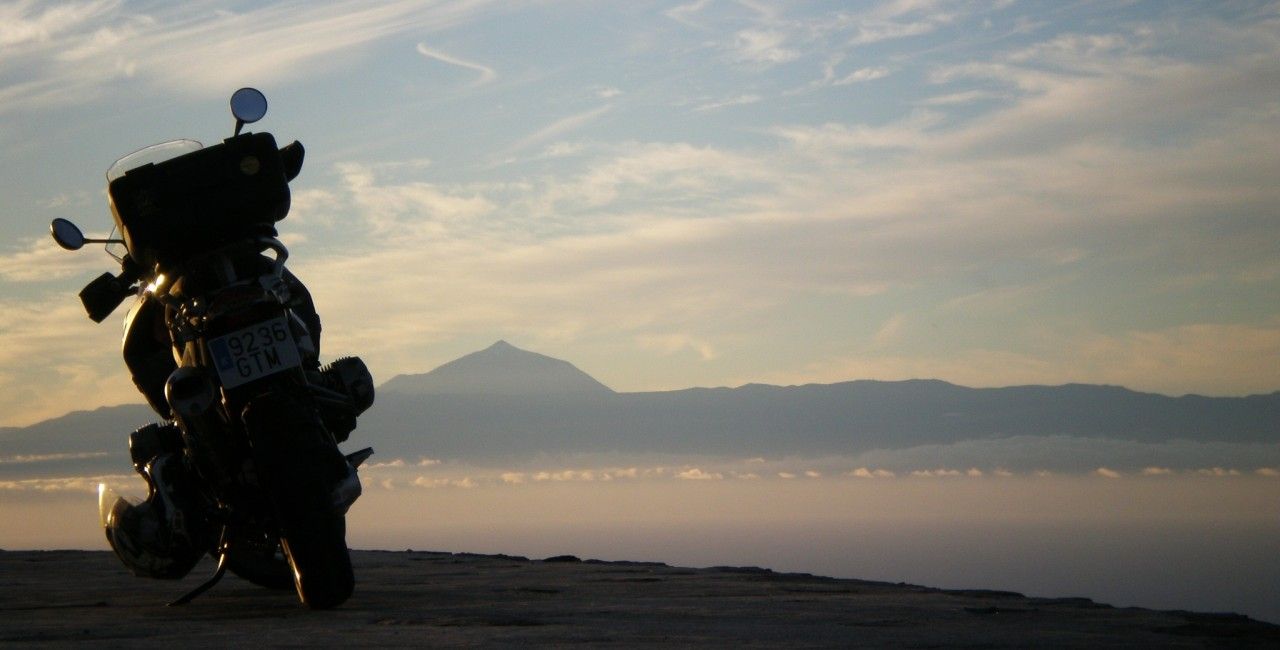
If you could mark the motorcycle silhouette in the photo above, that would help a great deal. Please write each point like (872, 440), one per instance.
(223, 342)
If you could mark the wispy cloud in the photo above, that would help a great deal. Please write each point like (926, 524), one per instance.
(465, 483)
(554, 130)
(740, 100)
(65, 484)
(76, 50)
(41, 260)
(54, 359)
(25, 23)
(24, 459)
(486, 74)
(685, 13)
(863, 472)
(697, 474)
(760, 46)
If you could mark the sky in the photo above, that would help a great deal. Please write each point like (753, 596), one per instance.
(671, 194)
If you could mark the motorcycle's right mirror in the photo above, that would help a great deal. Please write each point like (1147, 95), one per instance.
(248, 105)
(67, 234)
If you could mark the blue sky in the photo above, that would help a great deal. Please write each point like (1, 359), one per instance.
(671, 194)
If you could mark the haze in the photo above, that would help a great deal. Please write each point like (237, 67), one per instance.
(1201, 541)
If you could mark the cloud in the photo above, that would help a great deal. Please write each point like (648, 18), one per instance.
(573, 475)
(43, 261)
(673, 343)
(740, 100)
(859, 237)
(1206, 358)
(762, 46)
(465, 483)
(890, 330)
(937, 473)
(79, 49)
(54, 359)
(410, 207)
(64, 484)
(861, 75)
(695, 474)
(1218, 471)
(486, 74)
(684, 13)
(23, 459)
(1066, 454)
(863, 472)
(1156, 471)
(960, 98)
(20, 25)
(1106, 473)
(555, 130)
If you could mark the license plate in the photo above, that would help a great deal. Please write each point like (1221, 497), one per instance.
(254, 352)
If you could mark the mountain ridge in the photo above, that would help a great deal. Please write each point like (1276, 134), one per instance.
(456, 415)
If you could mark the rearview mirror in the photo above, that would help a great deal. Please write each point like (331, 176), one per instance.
(67, 234)
(248, 105)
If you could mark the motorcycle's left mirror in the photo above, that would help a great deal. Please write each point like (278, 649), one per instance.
(67, 234)
(248, 105)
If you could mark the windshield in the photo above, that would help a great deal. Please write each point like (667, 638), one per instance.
(156, 153)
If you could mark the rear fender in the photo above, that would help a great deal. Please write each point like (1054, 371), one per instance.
(296, 459)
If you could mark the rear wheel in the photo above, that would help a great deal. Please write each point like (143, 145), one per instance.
(299, 464)
(321, 564)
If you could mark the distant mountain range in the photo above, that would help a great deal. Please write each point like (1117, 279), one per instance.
(504, 402)
(557, 408)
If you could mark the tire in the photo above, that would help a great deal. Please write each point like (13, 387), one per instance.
(321, 564)
(298, 464)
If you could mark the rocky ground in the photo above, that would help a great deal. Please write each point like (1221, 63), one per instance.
(411, 598)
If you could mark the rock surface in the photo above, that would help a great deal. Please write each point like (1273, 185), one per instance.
(441, 599)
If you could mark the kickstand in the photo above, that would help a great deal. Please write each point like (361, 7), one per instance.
(217, 575)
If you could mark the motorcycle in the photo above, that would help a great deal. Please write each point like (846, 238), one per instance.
(223, 342)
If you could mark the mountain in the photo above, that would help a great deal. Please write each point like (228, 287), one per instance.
(80, 442)
(504, 402)
(500, 369)
(818, 419)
